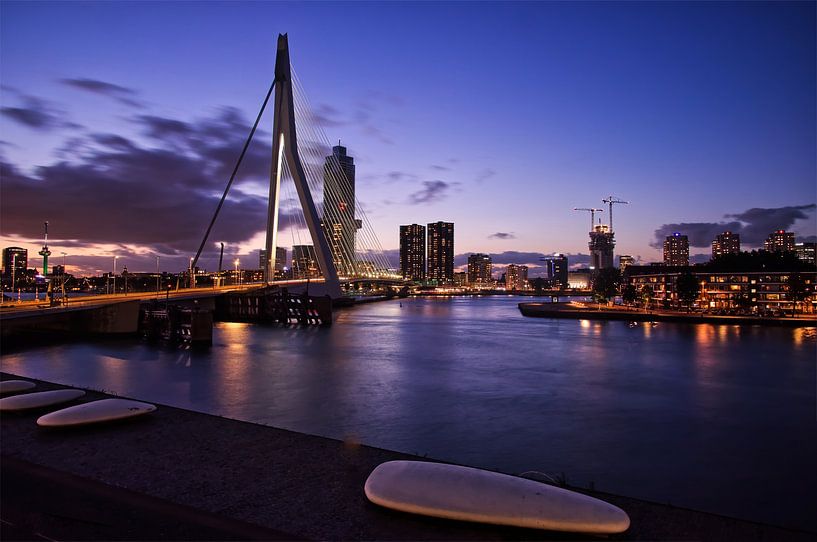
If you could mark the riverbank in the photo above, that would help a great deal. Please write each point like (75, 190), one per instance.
(586, 311)
(193, 473)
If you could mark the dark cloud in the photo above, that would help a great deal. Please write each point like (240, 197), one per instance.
(809, 239)
(431, 192)
(699, 258)
(759, 223)
(159, 197)
(119, 93)
(439, 168)
(700, 234)
(753, 225)
(502, 235)
(38, 114)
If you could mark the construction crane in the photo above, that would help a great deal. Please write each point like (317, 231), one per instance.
(611, 200)
(592, 214)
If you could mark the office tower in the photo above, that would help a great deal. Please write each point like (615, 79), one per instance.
(304, 262)
(780, 241)
(676, 249)
(280, 260)
(625, 261)
(602, 243)
(479, 269)
(557, 269)
(806, 252)
(339, 223)
(262, 259)
(725, 243)
(516, 277)
(440, 249)
(413, 252)
(17, 258)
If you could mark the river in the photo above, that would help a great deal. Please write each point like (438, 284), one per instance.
(716, 418)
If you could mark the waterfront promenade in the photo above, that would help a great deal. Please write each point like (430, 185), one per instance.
(181, 474)
(594, 311)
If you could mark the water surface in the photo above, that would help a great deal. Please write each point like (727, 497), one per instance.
(718, 418)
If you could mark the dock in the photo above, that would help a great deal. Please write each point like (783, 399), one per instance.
(177, 474)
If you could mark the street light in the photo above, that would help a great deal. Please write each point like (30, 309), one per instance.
(114, 274)
(63, 277)
(192, 277)
(157, 276)
(238, 277)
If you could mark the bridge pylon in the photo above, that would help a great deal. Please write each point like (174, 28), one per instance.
(285, 147)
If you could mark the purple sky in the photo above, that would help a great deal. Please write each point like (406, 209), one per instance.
(120, 122)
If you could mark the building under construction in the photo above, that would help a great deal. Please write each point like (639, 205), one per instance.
(602, 238)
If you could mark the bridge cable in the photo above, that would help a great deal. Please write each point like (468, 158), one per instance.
(232, 177)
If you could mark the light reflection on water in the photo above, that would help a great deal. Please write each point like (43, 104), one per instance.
(719, 418)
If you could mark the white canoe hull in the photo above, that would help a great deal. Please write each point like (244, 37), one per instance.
(468, 494)
(38, 399)
(105, 410)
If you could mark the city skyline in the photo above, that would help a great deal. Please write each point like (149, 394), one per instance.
(676, 108)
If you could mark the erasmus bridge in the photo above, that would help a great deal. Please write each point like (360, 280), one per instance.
(318, 194)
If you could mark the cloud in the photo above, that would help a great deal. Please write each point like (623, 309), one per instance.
(753, 225)
(159, 197)
(759, 223)
(502, 235)
(431, 192)
(38, 114)
(484, 175)
(437, 167)
(360, 114)
(119, 93)
(700, 234)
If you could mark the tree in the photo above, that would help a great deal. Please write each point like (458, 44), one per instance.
(687, 287)
(606, 282)
(629, 294)
(797, 288)
(647, 294)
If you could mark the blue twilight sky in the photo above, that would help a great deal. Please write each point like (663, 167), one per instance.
(121, 121)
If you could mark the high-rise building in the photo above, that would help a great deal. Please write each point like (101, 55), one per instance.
(413, 252)
(280, 260)
(557, 269)
(806, 252)
(479, 269)
(17, 258)
(602, 243)
(304, 262)
(676, 249)
(516, 277)
(339, 222)
(625, 261)
(262, 259)
(780, 241)
(440, 249)
(725, 243)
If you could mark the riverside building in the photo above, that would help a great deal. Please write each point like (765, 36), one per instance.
(780, 241)
(725, 243)
(339, 222)
(516, 277)
(413, 252)
(479, 269)
(676, 250)
(440, 251)
(601, 245)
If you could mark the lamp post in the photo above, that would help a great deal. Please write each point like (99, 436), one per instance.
(192, 277)
(13, 272)
(237, 276)
(63, 278)
(157, 276)
(114, 274)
